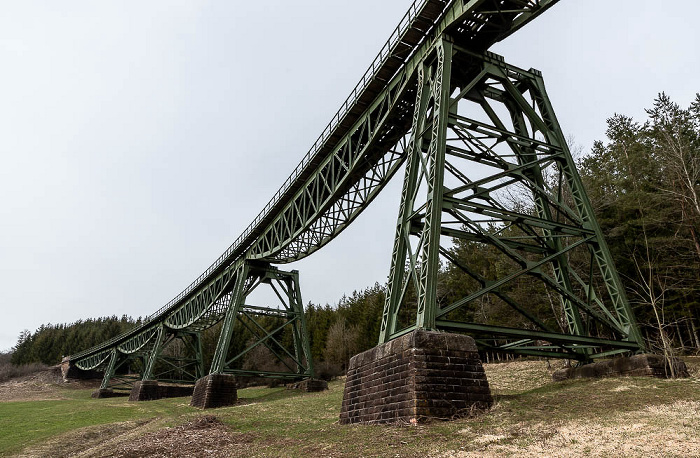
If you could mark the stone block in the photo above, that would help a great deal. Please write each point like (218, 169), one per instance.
(144, 390)
(215, 390)
(416, 377)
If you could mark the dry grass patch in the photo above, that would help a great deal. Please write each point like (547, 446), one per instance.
(89, 441)
(519, 376)
(203, 436)
(655, 431)
(38, 385)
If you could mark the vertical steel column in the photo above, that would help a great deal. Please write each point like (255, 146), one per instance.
(433, 93)
(109, 370)
(302, 346)
(237, 299)
(430, 246)
(395, 287)
(199, 355)
(151, 357)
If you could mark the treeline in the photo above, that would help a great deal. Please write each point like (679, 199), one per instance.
(335, 333)
(644, 184)
(51, 342)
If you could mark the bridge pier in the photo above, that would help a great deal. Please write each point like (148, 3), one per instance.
(150, 390)
(419, 376)
(215, 390)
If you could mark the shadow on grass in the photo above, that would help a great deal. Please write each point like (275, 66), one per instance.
(264, 394)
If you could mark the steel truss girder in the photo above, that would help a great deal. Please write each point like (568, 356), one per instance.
(365, 158)
(515, 141)
(241, 317)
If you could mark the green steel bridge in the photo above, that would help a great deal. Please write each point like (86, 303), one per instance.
(469, 131)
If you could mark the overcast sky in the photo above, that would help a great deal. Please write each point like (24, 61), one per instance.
(139, 139)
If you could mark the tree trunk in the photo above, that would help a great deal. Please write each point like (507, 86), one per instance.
(695, 332)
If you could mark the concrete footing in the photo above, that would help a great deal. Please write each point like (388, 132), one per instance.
(309, 385)
(215, 390)
(631, 366)
(108, 393)
(150, 390)
(416, 377)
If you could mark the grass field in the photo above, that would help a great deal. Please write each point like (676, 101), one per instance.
(533, 416)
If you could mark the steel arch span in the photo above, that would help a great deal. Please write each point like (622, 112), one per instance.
(466, 127)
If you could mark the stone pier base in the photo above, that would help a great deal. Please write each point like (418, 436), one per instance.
(215, 390)
(630, 366)
(150, 390)
(416, 377)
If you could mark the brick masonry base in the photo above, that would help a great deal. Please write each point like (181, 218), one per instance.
(631, 366)
(416, 377)
(150, 390)
(215, 390)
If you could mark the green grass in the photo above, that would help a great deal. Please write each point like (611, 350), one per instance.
(581, 415)
(26, 423)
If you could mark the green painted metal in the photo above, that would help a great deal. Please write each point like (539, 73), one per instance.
(178, 359)
(379, 126)
(166, 355)
(287, 315)
(479, 137)
(152, 356)
(117, 374)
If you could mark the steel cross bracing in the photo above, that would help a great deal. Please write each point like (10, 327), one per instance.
(363, 146)
(292, 353)
(169, 355)
(488, 165)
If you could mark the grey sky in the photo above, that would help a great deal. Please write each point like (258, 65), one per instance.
(138, 139)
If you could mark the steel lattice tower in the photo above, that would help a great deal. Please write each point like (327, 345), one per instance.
(484, 131)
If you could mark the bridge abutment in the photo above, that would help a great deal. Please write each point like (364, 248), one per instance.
(70, 372)
(418, 376)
